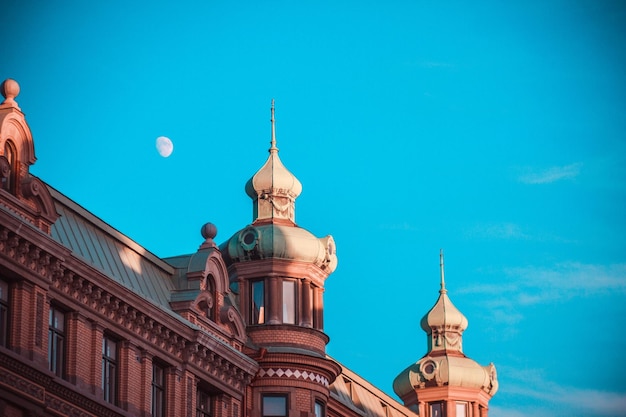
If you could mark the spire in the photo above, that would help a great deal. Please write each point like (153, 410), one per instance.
(273, 148)
(443, 281)
(444, 323)
(273, 188)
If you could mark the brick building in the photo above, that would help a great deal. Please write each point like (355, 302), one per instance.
(93, 324)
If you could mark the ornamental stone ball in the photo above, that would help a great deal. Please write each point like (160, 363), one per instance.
(208, 231)
(9, 89)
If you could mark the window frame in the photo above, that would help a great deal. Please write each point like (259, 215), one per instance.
(109, 384)
(158, 390)
(5, 312)
(264, 396)
(204, 398)
(322, 408)
(257, 314)
(57, 336)
(462, 405)
(294, 301)
(10, 153)
(440, 405)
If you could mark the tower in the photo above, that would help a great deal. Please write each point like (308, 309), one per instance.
(278, 269)
(445, 382)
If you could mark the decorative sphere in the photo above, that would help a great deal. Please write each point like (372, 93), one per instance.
(10, 88)
(208, 231)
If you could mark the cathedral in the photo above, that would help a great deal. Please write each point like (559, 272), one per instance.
(235, 329)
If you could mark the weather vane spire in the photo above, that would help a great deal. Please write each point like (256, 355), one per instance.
(443, 282)
(273, 147)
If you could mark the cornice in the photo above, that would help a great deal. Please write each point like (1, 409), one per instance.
(106, 299)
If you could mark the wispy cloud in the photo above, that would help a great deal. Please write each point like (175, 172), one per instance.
(521, 287)
(531, 384)
(496, 231)
(398, 226)
(549, 175)
(533, 285)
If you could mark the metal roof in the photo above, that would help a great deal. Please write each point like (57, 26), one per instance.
(114, 254)
(363, 397)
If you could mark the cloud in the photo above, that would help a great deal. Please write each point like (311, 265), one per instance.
(533, 285)
(497, 231)
(550, 175)
(531, 384)
(397, 226)
(495, 411)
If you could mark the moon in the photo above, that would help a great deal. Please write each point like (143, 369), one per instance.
(164, 146)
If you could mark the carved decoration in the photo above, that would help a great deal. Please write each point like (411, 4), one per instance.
(53, 269)
(293, 374)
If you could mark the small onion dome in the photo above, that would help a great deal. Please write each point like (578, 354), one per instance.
(273, 189)
(265, 241)
(447, 370)
(444, 315)
(272, 178)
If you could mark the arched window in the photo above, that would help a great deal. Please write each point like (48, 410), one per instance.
(209, 306)
(8, 182)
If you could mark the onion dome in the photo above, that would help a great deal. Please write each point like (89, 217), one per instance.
(273, 188)
(450, 371)
(445, 364)
(273, 233)
(289, 243)
(444, 323)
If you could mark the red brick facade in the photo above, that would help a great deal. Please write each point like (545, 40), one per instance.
(135, 335)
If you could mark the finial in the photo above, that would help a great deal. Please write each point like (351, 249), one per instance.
(273, 148)
(9, 89)
(443, 282)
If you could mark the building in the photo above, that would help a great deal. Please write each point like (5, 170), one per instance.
(93, 324)
(445, 382)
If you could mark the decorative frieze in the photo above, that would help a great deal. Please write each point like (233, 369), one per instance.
(56, 271)
(293, 374)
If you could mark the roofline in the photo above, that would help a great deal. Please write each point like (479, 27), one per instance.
(372, 388)
(110, 230)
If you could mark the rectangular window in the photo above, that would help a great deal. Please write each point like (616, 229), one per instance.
(56, 341)
(258, 303)
(275, 405)
(461, 409)
(4, 313)
(203, 403)
(109, 369)
(319, 409)
(289, 302)
(436, 410)
(158, 390)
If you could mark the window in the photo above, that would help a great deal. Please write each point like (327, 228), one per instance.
(56, 341)
(319, 409)
(10, 154)
(109, 369)
(461, 409)
(289, 302)
(203, 403)
(4, 313)
(258, 303)
(158, 390)
(436, 410)
(274, 405)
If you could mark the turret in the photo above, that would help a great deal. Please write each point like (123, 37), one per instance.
(445, 382)
(278, 270)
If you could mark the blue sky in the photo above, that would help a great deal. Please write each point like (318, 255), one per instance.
(496, 131)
